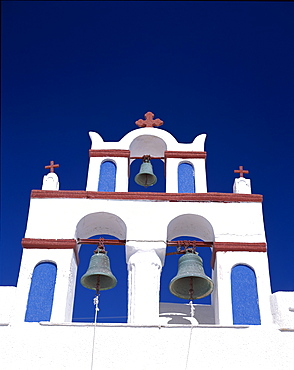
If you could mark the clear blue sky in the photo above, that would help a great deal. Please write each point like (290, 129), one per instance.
(221, 68)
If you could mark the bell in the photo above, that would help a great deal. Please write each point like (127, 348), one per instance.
(146, 176)
(99, 276)
(191, 282)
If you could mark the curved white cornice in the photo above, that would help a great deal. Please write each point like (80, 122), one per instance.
(152, 133)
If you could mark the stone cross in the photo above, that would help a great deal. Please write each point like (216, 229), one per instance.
(52, 166)
(149, 122)
(241, 171)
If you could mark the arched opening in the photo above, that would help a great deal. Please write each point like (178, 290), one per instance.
(112, 302)
(40, 299)
(155, 148)
(107, 177)
(170, 270)
(177, 310)
(158, 170)
(244, 296)
(186, 178)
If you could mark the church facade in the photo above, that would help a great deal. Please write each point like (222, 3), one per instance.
(245, 326)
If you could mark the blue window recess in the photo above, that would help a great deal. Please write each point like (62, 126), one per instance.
(41, 293)
(107, 176)
(186, 181)
(244, 296)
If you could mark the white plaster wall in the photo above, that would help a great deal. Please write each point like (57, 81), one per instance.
(171, 143)
(242, 185)
(172, 165)
(64, 287)
(224, 263)
(282, 304)
(158, 347)
(171, 175)
(122, 170)
(231, 222)
(50, 182)
(7, 301)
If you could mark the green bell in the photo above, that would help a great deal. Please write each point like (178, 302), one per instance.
(146, 176)
(99, 276)
(191, 282)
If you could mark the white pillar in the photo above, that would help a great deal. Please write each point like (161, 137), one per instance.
(242, 186)
(144, 268)
(200, 175)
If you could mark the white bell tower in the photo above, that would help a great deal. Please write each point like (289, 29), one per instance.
(243, 317)
(231, 224)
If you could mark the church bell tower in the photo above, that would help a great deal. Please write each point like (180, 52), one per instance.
(229, 224)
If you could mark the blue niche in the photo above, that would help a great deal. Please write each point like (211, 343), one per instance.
(107, 176)
(41, 293)
(186, 181)
(244, 296)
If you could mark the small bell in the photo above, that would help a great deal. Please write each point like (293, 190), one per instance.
(146, 176)
(99, 276)
(191, 282)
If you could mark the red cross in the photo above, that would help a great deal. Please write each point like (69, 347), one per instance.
(241, 171)
(52, 166)
(149, 122)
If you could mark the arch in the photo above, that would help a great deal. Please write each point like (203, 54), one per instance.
(101, 223)
(158, 170)
(147, 144)
(244, 296)
(171, 264)
(186, 178)
(109, 226)
(190, 225)
(107, 176)
(40, 299)
(155, 147)
(109, 310)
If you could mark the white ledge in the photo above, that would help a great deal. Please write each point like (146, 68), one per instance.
(124, 325)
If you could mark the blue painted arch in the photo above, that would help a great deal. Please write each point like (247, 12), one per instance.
(186, 178)
(107, 176)
(40, 299)
(244, 296)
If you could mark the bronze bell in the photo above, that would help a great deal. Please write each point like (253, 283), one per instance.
(146, 176)
(191, 282)
(99, 276)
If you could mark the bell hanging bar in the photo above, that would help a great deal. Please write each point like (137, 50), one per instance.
(104, 241)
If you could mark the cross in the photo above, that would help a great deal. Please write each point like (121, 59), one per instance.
(52, 166)
(149, 122)
(241, 171)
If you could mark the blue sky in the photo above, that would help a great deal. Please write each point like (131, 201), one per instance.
(221, 68)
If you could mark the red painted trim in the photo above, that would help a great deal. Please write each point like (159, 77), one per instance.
(236, 247)
(29, 243)
(167, 197)
(179, 154)
(109, 153)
